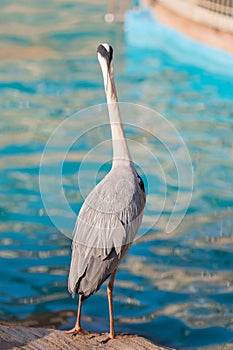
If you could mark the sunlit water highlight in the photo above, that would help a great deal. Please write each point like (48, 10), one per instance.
(175, 289)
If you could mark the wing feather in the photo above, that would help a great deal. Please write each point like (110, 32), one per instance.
(106, 226)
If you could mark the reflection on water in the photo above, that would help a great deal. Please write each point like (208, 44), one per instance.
(175, 289)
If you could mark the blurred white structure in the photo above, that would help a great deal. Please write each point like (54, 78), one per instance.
(217, 14)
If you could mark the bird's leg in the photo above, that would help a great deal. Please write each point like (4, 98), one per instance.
(112, 334)
(109, 291)
(77, 328)
(111, 316)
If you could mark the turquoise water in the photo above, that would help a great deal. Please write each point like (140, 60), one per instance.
(176, 289)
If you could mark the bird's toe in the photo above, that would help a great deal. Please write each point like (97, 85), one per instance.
(107, 338)
(77, 330)
(117, 336)
(93, 335)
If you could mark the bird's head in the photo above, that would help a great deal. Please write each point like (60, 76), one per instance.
(105, 57)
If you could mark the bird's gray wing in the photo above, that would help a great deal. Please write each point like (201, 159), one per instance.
(105, 228)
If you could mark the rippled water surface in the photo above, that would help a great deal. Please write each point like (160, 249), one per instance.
(177, 288)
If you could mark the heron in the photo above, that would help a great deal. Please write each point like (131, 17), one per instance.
(111, 214)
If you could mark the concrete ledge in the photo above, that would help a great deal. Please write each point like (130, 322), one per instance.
(12, 338)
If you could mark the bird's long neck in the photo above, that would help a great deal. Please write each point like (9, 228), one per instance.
(120, 147)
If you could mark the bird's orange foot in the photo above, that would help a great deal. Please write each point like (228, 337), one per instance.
(117, 336)
(77, 330)
(109, 337)
(93, 335)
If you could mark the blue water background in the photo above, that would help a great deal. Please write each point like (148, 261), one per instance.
(175, 289)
